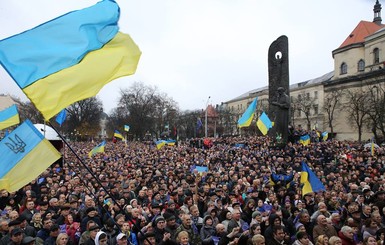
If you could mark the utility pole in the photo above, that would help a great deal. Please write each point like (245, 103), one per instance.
(207, 103)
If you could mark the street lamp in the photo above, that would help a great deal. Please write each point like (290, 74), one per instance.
(207, 103)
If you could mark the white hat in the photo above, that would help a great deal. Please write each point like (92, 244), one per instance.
(120, 236)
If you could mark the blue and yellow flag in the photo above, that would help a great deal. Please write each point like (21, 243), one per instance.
(25, 154)
(310, 182)
(325, 136)
(264, 123)
(97, 149)
(248, 115)
(61, 117)
(9, 117)
(117, 134)
(160, 144)
(170, 142)
(126, 128)
(69, 58)
(304, 139)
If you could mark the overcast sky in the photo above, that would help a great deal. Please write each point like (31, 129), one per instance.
(193, 49)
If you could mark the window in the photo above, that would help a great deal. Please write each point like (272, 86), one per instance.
(315, 94)
(376, 56)
(361, 65)
(315, 109)
(344, 68)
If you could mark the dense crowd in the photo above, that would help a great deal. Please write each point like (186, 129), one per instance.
(231, 191)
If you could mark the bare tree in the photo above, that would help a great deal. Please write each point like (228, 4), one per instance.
(357, 107)
(376, 112)
(332, 104)
(304, 103)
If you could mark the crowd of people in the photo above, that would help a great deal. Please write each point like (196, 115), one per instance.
(239, 190)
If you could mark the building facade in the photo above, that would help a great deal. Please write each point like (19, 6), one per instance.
(348, 101)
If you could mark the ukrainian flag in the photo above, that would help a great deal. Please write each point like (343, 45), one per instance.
(160, 144)
(25, 154)
(248, 115)
(325, 136)
(9, 117)
(97, 149)
(170, 142)
(126, 128)
(304, 139)
(264, 123)
(310, 182)
(117, 134)
(69, 58)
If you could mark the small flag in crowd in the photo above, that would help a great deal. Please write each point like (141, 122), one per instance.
(9, 117)
(117, 134)
(25, 154)
(304, 139)
(69, 58)
(248, 115)
(310, 181)
(325, 136)
(61, 117)
(126, 128)
(97, 149)
(199, 123)
(160, 144)
(264, 123)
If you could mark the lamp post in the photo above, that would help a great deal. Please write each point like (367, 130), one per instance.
(207, 103)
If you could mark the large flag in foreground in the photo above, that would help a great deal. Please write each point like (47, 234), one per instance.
(69, 58)
(9, 117)
(25, 154)
(97, 149)
(310, 181)
(248, 115)
(264, 123)
(117, 134)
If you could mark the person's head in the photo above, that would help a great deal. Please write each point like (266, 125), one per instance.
(183, 237)
(54, 230)
(321, 220)
(13, 215)
(208, 221)
(94, 229)
(101, 238)
(303, 238)
(47, 222)
(17, 235)
(220, 228)
(160, 223)
(28, 240)
(335, 240)
(370, 240)
(149, 238)
(255, 229)
(121, 239)
(278, 233)
(258, 239)
(304, 217)
(62, 239)
(322, 240)
(186, 220)
(347, 231)
(236, 214)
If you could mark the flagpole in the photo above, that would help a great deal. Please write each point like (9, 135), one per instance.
(207, 104)
(98, 181)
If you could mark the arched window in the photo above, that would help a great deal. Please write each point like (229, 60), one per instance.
(361, 65)
(376, 56)
(344, 68)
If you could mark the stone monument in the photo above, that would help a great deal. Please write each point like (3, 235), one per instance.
(279, 93)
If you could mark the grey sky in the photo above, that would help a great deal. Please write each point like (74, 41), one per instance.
(193, 49)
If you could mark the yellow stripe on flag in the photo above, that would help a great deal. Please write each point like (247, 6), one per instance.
(117, 58)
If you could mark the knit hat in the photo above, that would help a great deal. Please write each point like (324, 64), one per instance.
(255, 214)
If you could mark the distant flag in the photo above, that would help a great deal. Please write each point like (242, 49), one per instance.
(372, 147)
(200, 169)
(310, 181)
(170, 142)
(325, 136)
(126, 128)
(117, 134)
(69, 58)
(97, 149)
(248, 115)
(199, 123)
(61, 117)
(264, 123)
(304, 139)
(25, 154)
(9, 117)
(160, 144)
